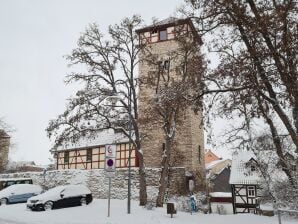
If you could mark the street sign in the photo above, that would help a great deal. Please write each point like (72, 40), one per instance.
(110, 158)
(110, 151)
(110, 164)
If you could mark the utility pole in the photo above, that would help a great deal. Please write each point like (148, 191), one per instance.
(129, 154)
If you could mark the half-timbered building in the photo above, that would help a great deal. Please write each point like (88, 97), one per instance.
(89, 153)
(244, 181)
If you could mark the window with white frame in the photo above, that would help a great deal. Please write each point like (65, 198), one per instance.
(251, 191)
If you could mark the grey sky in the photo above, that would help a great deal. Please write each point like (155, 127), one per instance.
(35, 34)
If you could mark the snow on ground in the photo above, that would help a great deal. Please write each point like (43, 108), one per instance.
(96, 213)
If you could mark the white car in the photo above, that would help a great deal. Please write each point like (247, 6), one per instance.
(18, 193)
(61, 196)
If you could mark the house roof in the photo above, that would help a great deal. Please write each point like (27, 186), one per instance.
(100, 138)
(212, 164)
(210, 157)
(240, 173)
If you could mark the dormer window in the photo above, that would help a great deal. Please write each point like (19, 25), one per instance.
(163, 35)
(252, 167)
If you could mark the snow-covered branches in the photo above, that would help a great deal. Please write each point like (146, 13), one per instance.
(108, 98)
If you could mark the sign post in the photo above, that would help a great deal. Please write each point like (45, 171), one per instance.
(110, 168)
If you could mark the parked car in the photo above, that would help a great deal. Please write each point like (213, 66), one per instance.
(6, 182)
(60, 197)
(18, 193)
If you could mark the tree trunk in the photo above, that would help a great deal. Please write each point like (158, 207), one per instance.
(164, 176)
(142, 180)
(277, 142)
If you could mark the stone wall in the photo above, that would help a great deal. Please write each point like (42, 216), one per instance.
(97, 181)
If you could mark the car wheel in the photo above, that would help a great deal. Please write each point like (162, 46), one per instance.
(3, 201)
(48, 206)
(83, 201)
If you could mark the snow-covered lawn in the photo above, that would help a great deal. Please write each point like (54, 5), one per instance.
(96, 213)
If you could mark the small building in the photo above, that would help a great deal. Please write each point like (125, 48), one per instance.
(218, 173)
(219, 182)
(244, 182)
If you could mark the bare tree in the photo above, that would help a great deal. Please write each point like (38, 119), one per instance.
(111, 78)
(256, 79)
(4, 143)
(275, 186)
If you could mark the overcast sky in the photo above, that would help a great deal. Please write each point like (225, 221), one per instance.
(35, 35)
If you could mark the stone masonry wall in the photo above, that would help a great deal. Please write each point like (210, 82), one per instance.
(189, 140)
(97, 181)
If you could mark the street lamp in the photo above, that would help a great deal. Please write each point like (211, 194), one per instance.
(129, 148)
(129, 154)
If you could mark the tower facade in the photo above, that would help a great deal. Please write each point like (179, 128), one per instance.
(4, 149)
(161, 41)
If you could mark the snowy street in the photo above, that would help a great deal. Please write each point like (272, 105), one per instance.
(96, 213)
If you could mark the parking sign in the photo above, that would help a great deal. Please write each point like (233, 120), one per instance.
(110, 158)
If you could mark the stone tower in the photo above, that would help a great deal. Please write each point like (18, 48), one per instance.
(160, 39)
(4, 149)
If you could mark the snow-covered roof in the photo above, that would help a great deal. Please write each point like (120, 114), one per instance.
(240, 173)
(213, 163)
(221, 194)
(103, 137)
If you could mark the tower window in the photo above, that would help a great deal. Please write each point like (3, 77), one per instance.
(166, 65)
(199, 149)
(163, 35)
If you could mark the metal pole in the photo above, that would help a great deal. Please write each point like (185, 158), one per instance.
(109, 197)
(129, 155)
(279, 216)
